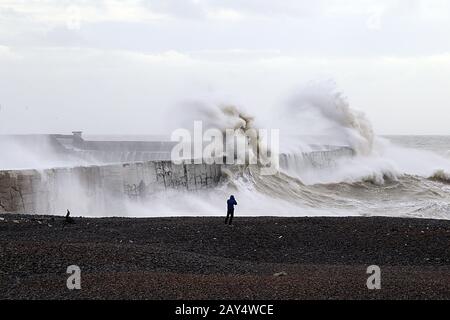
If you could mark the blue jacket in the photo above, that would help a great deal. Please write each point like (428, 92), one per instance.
(231, 203)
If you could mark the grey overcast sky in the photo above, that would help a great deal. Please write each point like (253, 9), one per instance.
(109, 66)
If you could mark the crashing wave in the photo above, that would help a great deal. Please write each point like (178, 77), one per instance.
(321, 105)
(441, 176)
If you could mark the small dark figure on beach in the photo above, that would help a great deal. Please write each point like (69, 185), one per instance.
(230, 211)
(68, 218)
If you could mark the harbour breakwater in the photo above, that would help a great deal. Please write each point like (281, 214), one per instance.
(108, 189)
(101, 188)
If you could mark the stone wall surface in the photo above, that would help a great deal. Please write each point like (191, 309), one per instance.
(108, 189)
(101, 188)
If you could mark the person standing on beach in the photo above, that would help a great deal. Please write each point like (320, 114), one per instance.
(68, 220)
(230, 212)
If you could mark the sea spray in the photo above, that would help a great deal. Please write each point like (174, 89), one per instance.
(320, 109)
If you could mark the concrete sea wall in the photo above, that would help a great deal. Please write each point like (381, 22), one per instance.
(297, 163)
(99, 188)
(110, 189)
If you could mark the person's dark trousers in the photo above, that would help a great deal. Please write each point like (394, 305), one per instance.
(229, 218)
